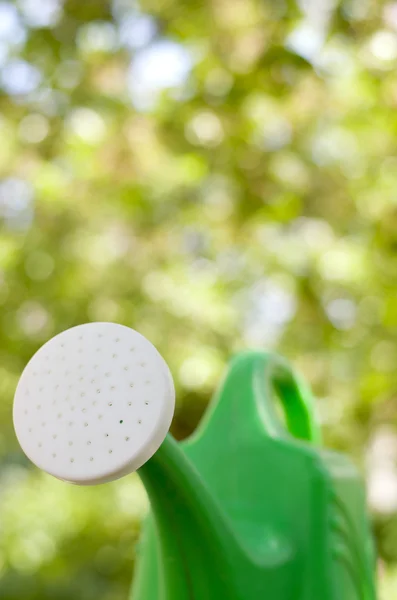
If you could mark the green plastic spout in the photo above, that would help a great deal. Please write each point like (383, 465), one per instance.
(190, 529)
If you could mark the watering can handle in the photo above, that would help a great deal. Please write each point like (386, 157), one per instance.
(245, 404)
(277, 380)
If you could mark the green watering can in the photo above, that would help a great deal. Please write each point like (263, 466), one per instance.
(251, 507)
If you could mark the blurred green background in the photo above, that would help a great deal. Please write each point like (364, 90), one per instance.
(217, 174)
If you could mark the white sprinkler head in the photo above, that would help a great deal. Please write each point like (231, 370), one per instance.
(94, 403)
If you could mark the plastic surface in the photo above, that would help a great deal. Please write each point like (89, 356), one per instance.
(251, 509)
(94, 403)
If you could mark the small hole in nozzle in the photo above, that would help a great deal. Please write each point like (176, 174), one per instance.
(121, 421)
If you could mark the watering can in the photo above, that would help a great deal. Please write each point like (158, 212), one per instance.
(250, 507)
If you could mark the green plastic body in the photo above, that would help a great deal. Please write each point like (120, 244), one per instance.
(250, 508)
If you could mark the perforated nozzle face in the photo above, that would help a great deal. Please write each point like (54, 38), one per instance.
(94, 403)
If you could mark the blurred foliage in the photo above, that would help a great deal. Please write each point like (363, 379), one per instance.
(218, 175)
